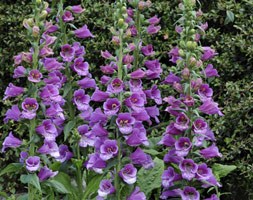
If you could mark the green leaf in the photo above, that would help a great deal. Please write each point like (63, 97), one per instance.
(92, 187)
(230, 17)
(4, 194)
(151, 152)
(13, 167)
(59, 187)
(148, 180)
(31, 179)
(69, 126)
(221, 171)
(22, 197)
(67, 88)
(65, 180)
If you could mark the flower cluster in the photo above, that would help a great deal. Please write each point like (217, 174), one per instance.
(189, 138)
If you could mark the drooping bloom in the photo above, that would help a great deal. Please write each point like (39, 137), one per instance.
(137, 194)
(182, 122)
(95, 163)
(87, 83)
(23, 156)
(168, 177)
(188, 169)
(81, 100)
(80, 67)
(67, 16)
(32, 163)
(12, 114)
(200, 126)
(128, 174)
(154, 20)
(51, 64)
(51, 148)
(154, 69)
(48, 130)
(148, 50)
(125, 123)
(46, 173)
(189, 193)
(29, 106)
(67, 53)
(138, 136)
(50, 94)
(183, 146)
(136, 102)
(138, 157)
(83, 32)
(12, 91)
(34, 76)
(138, 74)
(155, 94)
(87, 137)
(203, 172)
(108, 149)
(174, 54)
(99, 96)
(208, 53)
(210, 71)
(205, 92)
(171, 79)
(79, 50)
(11, 142)
(19, 72)
(210, 107)
(152, 29)
(105, 188)
(111, 106)
(65, 154)
(210, 152)
(77, 9)
(116, 86)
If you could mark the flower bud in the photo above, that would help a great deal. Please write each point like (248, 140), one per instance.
(181, 53)
(185, 73)
(28, 23)
(36, 31)
(124, 10)
(121, 22)
(38, 2)
(43, 14)
(191, 45)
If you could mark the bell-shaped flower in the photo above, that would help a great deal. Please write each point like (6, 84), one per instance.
(135, 102)
(99, 96)
(210, 107)
(125, 123)
(108, 149)
(182, 122)
(210, 152)
(19, 72)
(67, 16)
(65, 154)
(208, 53)
(200, 126)
(138, 157)
(51, 148)
(51, 64)
(189, 193)
(205, 92)
(46, 173)
(95, 163)
(12, 91)
(128, 173)
(188, 169)
(12, 114)
(29, 106)
(137, 194)
(90, 83)
(152, 29)
(32, 163)
(154, 69)
(116, 86)
(67, 53)
(111, 106)
(11, 142)
(77, 9)
(210, 71)
(48, 130)
(81, 100)
(183, 145)
(203, 172)
(105, 188)
(168, 177)
(83, 32)
(80, 67)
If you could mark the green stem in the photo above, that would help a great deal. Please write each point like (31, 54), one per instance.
(120, 66)
(118, 168)
(137, 40)
(79, 174)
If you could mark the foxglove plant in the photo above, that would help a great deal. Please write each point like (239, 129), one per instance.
(189, 138)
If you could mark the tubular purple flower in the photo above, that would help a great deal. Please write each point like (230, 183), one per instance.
(210, 71)
(208, 53)
(155, 94)
(79, 50)
(213, 197)
(154, 20)
(128, 173)
(179, 29)
(200, 126)
(138, 157)
(11, 142)
(136, 85)
(153, 112)
(108, 149)
(154, 69)
(182, 122)
(188, 169)
(81, 100)
(189, 193)
(172, 157)
(46, 51)
(171, 79)
(210, 107)
(12, 114)
(50, 94)
(168, 177)
(65, 154)
(99, 96)
(77, 9)
(107, 69)
(152, 29)
(204, 172)
(55, 78)
(210, 152)
(183, 145)
(148, 50)
(171, 129)
(46, 173)
(137, 194)
(19, 72)
(12, 91)
(99, 131)
(80, 67)
(174, 54)
(23, 156)
(49, 147)
(125, 123)
(95, 163)
(51, 64)
(87, 137)
(87, 83)
(138, 74)
(34, 76)
(137, 137)
(67, 16)
(106, 54)
(105, 188)
(67, 53)
(116, 86)
(98, 116)
(83, 32)
(111, 106)
(48, 130)
(32, 163)
(29, 106)
(205, 92)
(136, 102)
(167, 140)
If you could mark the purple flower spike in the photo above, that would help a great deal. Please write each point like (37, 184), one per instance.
(200, 126)
(152, 29)
(12, 91)
(210, 107)
(105, 188)
(128, 174)
(210, 71)
(208, 53)
(182, 122)
(108, 149)
(111, 106)
(46, 173)
(67, 16)
(116, 86)
(77, 9)
(168, 177)
(32, 163)
(34, 76)
(83, 32)
(65, 154)
(125, 123)
(29, 106)
(67, 53)
(140, 158)
(81, 100)
(48, 130)
(137, 194)
(210, 152)
(12, 114)
(11, 142)
(19, 72)
(148, 50)
(95, 163)
(183, 146)
(190, 193)
(99, 96)
(188, 169)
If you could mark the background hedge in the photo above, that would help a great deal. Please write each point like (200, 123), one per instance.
(231, 34)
